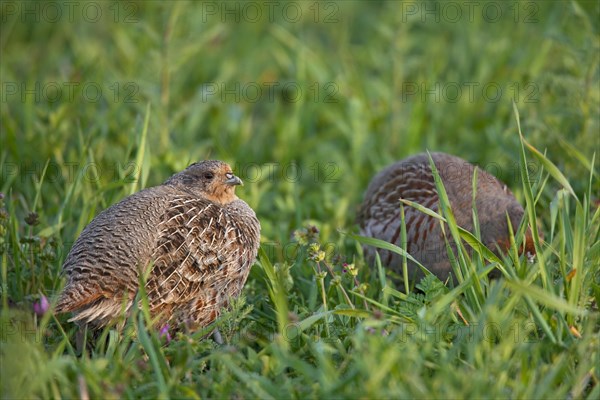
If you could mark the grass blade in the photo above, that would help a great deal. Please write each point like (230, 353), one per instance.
(141, 170)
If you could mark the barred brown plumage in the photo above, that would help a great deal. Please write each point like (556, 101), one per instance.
(412, 179)
(192, 235)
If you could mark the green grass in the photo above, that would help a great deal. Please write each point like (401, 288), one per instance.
(177, 83)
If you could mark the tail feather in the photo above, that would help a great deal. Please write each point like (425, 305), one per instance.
(97, 308)
(101, 312)
(71, 300)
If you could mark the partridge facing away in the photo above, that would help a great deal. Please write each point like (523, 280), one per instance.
(412, 179)
(192, 236)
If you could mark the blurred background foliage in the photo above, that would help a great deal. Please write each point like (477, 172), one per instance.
(344, 87)
(306, 100)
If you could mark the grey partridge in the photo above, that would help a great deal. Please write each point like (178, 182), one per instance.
(412, 179)
(192, 237)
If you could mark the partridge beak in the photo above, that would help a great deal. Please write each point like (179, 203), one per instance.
(234, 180)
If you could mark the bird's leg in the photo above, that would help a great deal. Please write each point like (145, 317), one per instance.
(217, 337)
(80, 338)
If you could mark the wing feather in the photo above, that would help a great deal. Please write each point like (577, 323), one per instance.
(113, 247)
(203, 256)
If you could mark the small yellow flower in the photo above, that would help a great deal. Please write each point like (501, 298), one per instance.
(315, 253)
(352, 270)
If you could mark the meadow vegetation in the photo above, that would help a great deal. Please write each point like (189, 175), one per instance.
(307, 101)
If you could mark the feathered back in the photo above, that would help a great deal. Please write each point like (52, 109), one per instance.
(412, 179)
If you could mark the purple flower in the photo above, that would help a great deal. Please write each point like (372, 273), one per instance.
(41, 307)
(164, 331)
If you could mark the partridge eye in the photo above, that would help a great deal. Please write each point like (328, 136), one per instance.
(229, 175)
(208, 175)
